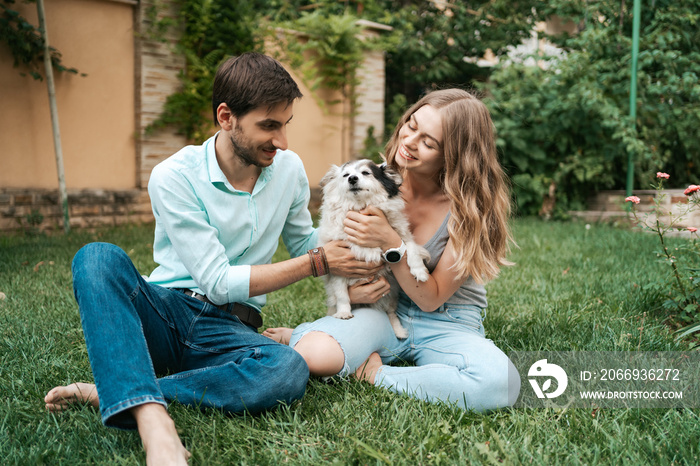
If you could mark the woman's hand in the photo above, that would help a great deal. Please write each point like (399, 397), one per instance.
(369, 291)
(342, 262)
(369, 228)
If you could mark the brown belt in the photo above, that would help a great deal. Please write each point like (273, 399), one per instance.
(246, 314)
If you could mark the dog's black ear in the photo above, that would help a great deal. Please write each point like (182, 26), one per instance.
(392, 173)
(388, 177)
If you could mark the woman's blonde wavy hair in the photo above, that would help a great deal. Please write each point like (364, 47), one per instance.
(473, 179)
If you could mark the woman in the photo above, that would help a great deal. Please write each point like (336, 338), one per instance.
(457, 202)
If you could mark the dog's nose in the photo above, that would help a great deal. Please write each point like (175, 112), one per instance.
(352, 179)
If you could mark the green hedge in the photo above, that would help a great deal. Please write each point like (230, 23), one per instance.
(568, 123)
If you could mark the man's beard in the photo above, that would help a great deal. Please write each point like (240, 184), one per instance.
(243, 151)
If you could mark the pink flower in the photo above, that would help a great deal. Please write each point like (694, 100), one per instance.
(634, 199)
(691, 189)
(663, 175)
(692, 229)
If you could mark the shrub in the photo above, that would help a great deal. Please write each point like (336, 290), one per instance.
(567, 122)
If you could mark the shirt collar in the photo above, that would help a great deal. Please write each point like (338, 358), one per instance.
(216, 175)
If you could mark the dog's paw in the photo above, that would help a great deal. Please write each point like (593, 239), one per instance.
(421, 274)
(416, 257)
(343, 315)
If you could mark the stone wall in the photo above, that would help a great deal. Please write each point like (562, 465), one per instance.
(157, 69)
(25, 209)
(369, 103)
(609, 206)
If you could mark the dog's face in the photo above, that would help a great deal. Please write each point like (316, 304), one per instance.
(361, 182)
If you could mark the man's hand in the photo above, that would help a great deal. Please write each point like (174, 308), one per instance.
(342, 262)
(369, 291)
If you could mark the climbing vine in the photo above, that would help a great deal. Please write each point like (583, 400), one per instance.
(26, 43)
(211, 30)
(324, 49)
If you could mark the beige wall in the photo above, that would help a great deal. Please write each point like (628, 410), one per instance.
(319, 135)
(96, 112)
(108, 158)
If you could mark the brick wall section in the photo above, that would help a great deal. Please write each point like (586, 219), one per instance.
(87, 208)
(157, 77)
(369, 107)
(369, 104)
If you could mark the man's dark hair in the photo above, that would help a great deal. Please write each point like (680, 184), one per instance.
(252, 80)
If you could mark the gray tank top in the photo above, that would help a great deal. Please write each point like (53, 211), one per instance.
(470, 293)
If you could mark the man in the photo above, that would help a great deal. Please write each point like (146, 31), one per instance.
(220, 209)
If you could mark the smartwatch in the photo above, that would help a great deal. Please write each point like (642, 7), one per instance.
(394, 255)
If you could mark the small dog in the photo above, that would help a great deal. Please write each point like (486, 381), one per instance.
(354, 186)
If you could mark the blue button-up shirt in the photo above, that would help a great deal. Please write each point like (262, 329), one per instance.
(208, 234)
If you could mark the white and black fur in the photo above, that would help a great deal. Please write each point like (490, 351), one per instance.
(354, 186)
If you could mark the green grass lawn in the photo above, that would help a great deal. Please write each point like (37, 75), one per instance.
(572, 288)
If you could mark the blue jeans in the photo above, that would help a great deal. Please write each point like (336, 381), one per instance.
(453, 361)
(149, 344)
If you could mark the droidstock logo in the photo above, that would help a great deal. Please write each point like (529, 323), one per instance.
(546, 371)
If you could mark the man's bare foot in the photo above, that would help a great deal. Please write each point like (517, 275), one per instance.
(368, 370)
(61, 398)
(159, 436)
(279, 334)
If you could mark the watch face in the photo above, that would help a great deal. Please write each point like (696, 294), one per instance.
(393, 256)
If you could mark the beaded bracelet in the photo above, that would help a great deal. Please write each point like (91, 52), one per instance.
(319, 263)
